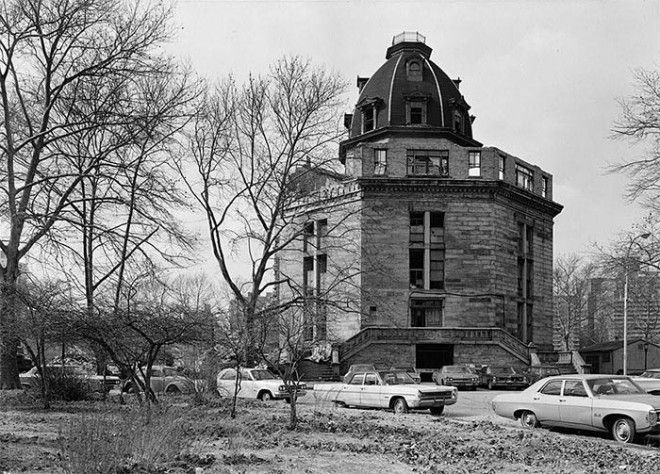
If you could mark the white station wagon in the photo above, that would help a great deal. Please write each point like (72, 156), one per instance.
(391, 389)
(607, 403)
(255, 383)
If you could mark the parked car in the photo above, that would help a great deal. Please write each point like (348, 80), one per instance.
(358, 368)
(96, 383)
(456, 375)
(393, 389)
(410, 371)
(502, 377)
(607, 403)
(648, 382)
(538, 372)
(166, 379)
(651, 373)
(256, 383)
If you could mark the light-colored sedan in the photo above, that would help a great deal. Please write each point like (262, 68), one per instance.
(391, 389)
(256, 383)
(649, 381)
(607, 403)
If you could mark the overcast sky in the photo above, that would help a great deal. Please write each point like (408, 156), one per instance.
(542, 77)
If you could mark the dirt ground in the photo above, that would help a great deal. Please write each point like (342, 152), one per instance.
(83, 436)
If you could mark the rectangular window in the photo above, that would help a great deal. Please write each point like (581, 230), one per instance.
(308, 272)
(322, 263)
(544, 189)
(380, 162)
(501, 167)
(321, 233)
(368, 119)
(416, 268)
(416, 113)
(426, 313)
(416, 227)
(524, 178)
(428, 162)
(606, 357)
(437, 279)
(474, 163)
(437, 222)
(308, 235)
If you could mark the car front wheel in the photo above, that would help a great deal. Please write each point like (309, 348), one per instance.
(265, 396)
(623, 430)
(173, 389)
(528, 420)
(400, 406)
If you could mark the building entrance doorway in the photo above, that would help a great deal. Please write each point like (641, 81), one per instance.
(432, 356)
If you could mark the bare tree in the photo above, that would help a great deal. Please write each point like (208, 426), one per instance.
(54, 56)
(571, 286)
(258, 151)
(640, 123)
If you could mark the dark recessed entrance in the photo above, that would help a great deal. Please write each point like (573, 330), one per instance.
(433, 356)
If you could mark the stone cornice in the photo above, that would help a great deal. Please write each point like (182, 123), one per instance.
(358, 188)
(459, 186)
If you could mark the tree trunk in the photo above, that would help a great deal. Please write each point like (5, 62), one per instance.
(9, 341)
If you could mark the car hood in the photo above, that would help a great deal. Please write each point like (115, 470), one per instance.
(460, 376)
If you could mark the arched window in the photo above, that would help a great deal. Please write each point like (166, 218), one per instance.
(414, 70)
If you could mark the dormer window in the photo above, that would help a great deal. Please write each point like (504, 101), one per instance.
(368, 119)
(369, 112)
(414, 70)
(458, 122)
(416, 113)
(416, 110)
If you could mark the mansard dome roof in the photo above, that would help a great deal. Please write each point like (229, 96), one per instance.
(410, 77)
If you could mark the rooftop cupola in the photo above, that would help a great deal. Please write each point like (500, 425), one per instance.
(409, 94)
(409, 41)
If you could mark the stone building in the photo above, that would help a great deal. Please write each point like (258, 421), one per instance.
(451, 240)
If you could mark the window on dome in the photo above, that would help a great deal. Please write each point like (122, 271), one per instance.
(414, 71)
(416, 113)
(458, 121)
(368, 119)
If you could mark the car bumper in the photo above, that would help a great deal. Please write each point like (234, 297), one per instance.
(650, 430)
(286, 396)
(463, 383)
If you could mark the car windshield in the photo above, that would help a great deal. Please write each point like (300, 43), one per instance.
(395, 377)
(263, 374)
(614, 386)
(504, 370)
(456, 369)
(651, 374)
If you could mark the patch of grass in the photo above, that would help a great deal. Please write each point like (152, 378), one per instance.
(128, 441)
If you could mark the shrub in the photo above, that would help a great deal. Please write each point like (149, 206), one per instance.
(63, 387)
(126, 442)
